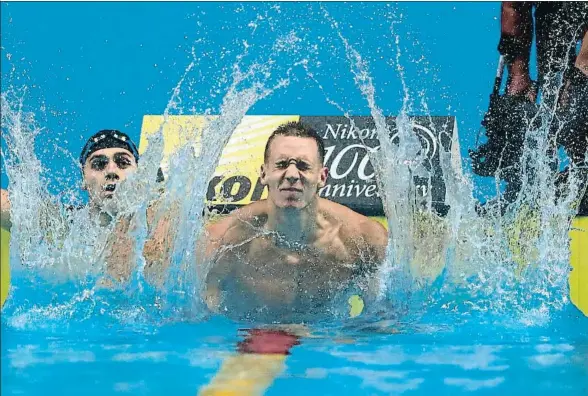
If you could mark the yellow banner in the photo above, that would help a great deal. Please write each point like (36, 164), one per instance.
(236, 178)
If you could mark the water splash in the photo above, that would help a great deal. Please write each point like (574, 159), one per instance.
(25, 170)
(522, 257)
(488, 262)
(189, 215)
(396, 165)
(82, 245)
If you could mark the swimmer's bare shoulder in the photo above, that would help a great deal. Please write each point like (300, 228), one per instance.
(359, 230)
(232, 230)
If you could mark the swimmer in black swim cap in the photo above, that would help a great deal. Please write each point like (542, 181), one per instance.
(107, 159)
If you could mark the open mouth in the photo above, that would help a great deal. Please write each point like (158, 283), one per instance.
(109, 187)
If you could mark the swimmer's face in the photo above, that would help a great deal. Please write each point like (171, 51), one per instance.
(105, 169)
(293, 172)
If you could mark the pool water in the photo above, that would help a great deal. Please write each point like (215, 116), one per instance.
(87, 347)
(500, 336)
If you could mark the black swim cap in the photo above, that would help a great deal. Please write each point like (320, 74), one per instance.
(108, 138)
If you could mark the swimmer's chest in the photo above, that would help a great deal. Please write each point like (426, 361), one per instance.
(333, 257)
(285, 274)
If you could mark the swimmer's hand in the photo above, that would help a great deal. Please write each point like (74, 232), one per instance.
(5, 210)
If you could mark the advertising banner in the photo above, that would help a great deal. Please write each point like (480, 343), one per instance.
(352, 180)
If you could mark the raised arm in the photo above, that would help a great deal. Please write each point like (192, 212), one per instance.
(376, 237)
(215, 256)
(159, 245)
(211, 268)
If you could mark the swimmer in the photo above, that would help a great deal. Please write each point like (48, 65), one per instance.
(107, 159)
(294, 255)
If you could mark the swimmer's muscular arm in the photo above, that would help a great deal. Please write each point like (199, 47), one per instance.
(158, 246)
(361, 234)
(376, 237)
(120, 251)
(229, 231)
(209, 251)
(371, 238)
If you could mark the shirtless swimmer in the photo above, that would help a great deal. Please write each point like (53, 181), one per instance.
(294, 255)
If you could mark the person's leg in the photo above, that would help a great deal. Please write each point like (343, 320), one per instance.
(575, 132)
(582, 58)
(559, 27)
(516, 36)
(502, 121)
(574, 107)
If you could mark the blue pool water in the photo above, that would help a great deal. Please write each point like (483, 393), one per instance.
(64, 337)
(181, 358)
(93, 346)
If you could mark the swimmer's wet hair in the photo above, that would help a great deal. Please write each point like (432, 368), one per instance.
(297, 129)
